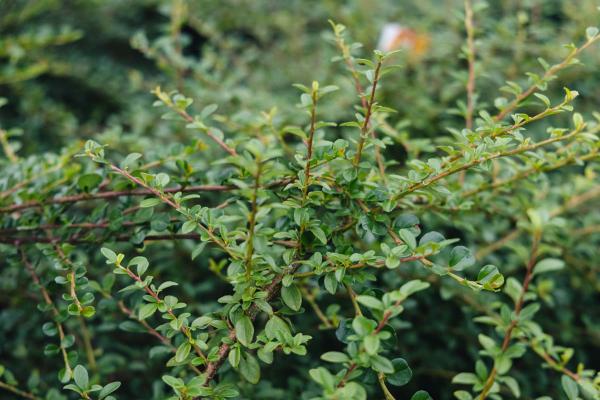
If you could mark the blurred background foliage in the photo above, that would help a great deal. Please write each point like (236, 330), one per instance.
(71, 70)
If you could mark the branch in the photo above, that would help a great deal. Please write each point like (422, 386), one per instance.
(347, 56)
(19, 392)
(547, 75)
(184, 329)
(364, 131)
(166, 99)
(530, 171)
(518, 307)
(213, 366)
(50, 303)
(167, 200)
(452, 170)
(112, 194)
(252, 222)
(76, 239)
(471, 60)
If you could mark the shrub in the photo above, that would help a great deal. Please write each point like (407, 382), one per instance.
(317, 251)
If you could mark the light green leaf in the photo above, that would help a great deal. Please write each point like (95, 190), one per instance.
(147, 310)
(183, 351)
(250, 369)
(244, 330)
(335, 357)
(292, 297)
(570, 387)
(150, 202)
(408, 238)
(80, 375)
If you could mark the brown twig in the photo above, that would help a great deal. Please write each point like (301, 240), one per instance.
(19, 392)
(360, 91)
(112, 194)
(252, 221)
(48, 300)
(169, 201)
(364, 131)
(75, 239)
(471, 61)
(214, 137)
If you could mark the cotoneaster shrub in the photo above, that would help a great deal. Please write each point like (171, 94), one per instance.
(315, 250)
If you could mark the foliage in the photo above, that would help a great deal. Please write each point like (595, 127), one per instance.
(245, 239)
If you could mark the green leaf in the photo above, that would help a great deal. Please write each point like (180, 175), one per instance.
(490, 277)
(183, 351)
(147, 310)
(129, 160)
(198, 250)
(335, 357)
(88, 311)
(371, 343)
(513, 385)
(322, 377)
(319, 234)
(234, 356)
(141, 264)
(110, 255)
(244, 330)
(188, 226)
(461, 258)
(292, 297)
(80, 375)
(413, 286)
(88, 182)
(543, 98)
(513, 289)
(408, 238)
(466, 378)
(463, 395)
(529, 311)
(150, 202)
(108, 389)
(421, 395)
(391, 261)
(208, 110)
(73, 388)
(330, 283)
(370, 301)
(175, 383)
(165, 285)
(570, 387)
(250, 369)
(363, 326)
(548, 265)
(382, 364)
(402, 373)
(276, 326)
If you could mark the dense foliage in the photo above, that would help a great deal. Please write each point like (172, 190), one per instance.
(177, 221)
